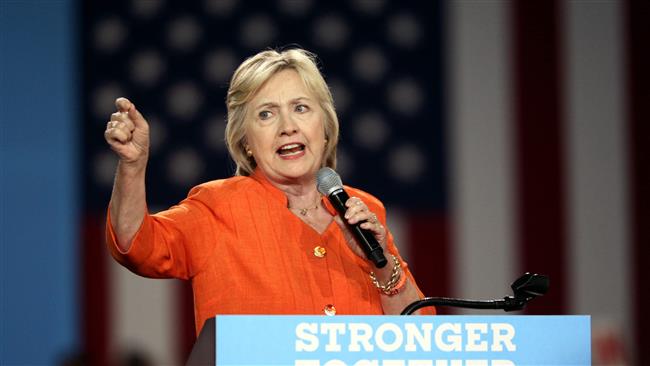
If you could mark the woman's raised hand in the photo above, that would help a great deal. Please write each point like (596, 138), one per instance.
(127, 133)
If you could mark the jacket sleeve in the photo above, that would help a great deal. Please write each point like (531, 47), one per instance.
(173, 243)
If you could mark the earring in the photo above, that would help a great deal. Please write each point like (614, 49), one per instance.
(248, 150)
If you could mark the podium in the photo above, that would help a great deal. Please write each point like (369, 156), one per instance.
(203, 350)
(393, 340)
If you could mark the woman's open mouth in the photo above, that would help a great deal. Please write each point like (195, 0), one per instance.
(291, 150)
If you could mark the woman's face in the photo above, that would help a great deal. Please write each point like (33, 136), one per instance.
(285, 129)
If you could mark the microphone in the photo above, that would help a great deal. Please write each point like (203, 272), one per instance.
(329, 184)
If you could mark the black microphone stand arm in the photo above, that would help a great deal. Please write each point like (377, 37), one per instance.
(526, 288)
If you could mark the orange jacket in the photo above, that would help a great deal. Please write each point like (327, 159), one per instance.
(246, 253)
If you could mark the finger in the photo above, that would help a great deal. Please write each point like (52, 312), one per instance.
(372, 220)
(357, 217)
(360, 216)
(113, 135)
(117, 136)
(122, 104)
(123, 117)
(352, 212)
(353, 201)
(114, 124)
(355, 210)
(126, 125)
(124, 120)
(375, 227)
(119, 116)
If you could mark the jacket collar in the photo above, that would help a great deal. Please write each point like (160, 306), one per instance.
(279, 196)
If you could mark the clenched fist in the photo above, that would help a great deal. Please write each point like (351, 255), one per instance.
(127, 133)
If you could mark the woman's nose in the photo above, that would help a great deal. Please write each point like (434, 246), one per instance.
(287, 125)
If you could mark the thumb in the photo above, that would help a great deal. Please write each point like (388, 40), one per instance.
(122, 104)
(137, 118)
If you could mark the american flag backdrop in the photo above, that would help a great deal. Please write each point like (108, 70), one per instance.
(503, 137)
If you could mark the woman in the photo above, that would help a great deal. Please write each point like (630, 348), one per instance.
(264, 241)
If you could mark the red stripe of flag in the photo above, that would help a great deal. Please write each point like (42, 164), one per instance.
(538, 120)
(638, 79)
(94, 289)
(430, 257)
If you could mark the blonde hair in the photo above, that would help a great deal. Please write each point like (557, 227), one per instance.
(249, 78)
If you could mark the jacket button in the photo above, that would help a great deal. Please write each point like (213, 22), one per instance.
(329, 309)
(320, 252)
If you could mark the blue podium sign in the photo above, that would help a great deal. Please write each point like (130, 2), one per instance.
(402, 340)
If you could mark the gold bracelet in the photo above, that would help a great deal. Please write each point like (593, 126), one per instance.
(392, 285)
(398, 286)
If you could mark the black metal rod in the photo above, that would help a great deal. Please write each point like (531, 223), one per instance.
(447, 301)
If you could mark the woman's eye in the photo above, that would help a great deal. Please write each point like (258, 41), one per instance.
(301, 108)
(264, 114)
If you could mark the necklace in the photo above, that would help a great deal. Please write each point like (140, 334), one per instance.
(304, 211)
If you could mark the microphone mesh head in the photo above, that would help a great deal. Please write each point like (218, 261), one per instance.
(327, 180)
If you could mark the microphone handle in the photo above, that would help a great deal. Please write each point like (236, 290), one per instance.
(365, 238)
